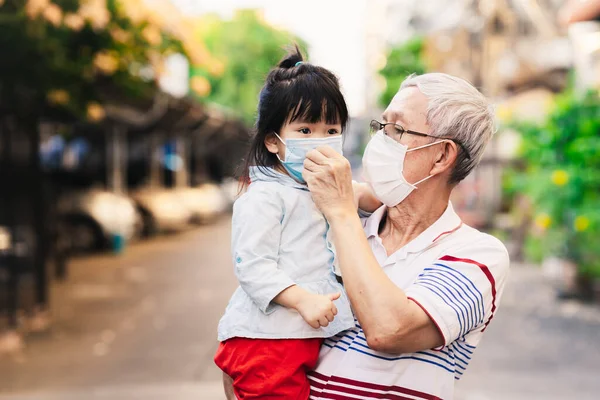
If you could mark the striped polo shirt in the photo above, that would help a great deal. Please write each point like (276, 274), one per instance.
(456, 274)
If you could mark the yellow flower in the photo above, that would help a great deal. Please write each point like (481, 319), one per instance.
(216, 68)
(560, 177)
(95, 112)
(33, 8)
(504, 113)
(135, 10)
(119, 35)
(581, 223)
(152, 35)
(543, 221)
(106, 62)
(96, 12)
(58, 97)
(200, 85)
(53, 14)
(74, 22)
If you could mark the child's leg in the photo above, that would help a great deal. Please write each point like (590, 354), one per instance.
(228, 387)
(269, 369)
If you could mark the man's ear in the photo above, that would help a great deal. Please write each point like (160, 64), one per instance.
(445, 158)
(271, 142)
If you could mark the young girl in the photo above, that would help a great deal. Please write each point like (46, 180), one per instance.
(289, 299)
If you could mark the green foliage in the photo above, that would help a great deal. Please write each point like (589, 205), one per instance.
(402, 61)
(248, 48)
(41, 57)
(562, 178)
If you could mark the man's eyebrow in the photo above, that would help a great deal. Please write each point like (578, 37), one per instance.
(395, 116)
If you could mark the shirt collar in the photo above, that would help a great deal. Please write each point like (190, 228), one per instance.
(448, 223)
(268, 174)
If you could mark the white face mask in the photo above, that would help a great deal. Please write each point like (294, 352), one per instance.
(383, 163)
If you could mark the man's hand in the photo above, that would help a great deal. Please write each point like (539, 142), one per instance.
(316, 309)
(329, 180)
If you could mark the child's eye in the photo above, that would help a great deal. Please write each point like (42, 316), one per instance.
(333, 131)
(306, 131)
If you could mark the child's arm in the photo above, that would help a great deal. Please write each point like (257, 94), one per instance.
(256, 233)
(317, 310)
(364, 198)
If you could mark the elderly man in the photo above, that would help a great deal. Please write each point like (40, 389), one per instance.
(423, 285)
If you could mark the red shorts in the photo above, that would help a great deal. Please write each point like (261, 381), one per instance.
(269, 368)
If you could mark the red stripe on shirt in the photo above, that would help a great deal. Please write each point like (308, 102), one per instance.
(434, 322)
(366, 386)
(487, 273)
(356, 392)
(448, 232)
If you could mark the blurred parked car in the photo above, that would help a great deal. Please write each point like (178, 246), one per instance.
(161, 210)
(231, 189)
(90, 219)
(205, 202)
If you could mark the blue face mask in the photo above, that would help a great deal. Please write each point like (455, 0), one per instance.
(296, 149)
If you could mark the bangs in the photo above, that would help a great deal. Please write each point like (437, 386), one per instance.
(315, 100)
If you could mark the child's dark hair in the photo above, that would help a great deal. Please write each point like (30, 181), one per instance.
(294, 90)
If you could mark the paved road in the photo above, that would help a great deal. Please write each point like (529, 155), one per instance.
(143, 326)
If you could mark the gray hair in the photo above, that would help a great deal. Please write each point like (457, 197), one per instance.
(457, 110)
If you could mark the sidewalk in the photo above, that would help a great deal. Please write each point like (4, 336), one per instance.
(137, 326)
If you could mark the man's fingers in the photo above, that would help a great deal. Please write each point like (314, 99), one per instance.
(334, 309)
(315, 324)
(323, 321)
(310, 165)
(317, 156)
(329, 152)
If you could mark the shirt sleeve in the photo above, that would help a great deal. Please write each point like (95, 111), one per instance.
(256, 233)
(461, 290)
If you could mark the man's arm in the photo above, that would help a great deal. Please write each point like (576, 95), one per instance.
(392, 323)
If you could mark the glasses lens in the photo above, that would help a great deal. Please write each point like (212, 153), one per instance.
(374, 126)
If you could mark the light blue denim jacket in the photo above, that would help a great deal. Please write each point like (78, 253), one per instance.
(279, 238)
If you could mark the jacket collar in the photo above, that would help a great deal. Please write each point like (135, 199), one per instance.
(268, 174)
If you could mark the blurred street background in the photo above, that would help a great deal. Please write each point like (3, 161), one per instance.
(123, 122)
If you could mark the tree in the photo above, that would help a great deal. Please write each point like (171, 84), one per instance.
(246, 48)
(61, 56)
(402, 61)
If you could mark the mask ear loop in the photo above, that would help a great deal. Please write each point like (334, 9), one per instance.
(282, 142)
(422, 147)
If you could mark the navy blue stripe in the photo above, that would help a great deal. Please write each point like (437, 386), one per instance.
(402, 358)
(456, 351)
(466, 279)
(434, 289)
(457, 358)
(465, 309)
(336, 346)
(447, 271)
(460, 351)
(451, 363)
(448, 280)
(338, 341)
(463, 343)
(463, 285)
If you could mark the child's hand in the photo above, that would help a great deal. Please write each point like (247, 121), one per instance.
(364, 198)
(316, 309)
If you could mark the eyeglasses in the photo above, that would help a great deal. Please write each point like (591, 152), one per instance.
(396, 131)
